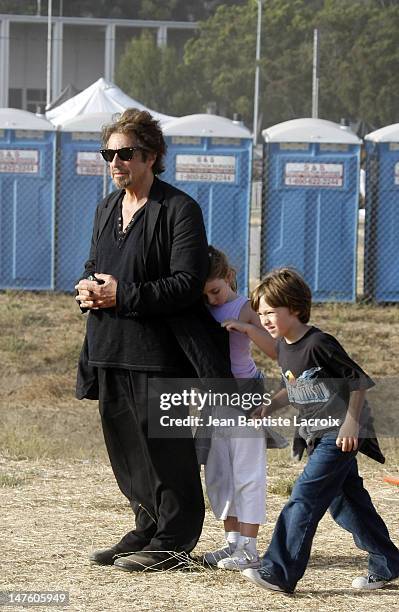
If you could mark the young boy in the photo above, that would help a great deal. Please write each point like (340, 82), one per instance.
(328, 388)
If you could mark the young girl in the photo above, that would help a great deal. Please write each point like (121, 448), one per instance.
(235, 471)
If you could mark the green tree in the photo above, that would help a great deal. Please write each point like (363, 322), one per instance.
(358, 68)
(155, 77)
(223, 57)
(360, 60)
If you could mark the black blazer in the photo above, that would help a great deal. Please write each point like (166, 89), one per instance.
(175, 256)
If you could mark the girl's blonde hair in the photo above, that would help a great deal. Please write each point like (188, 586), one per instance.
(219, 267)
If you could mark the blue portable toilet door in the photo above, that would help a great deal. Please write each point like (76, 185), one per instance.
(80, 191)
(27, 214)
(387, 226)
(310, 216)
(217, 176)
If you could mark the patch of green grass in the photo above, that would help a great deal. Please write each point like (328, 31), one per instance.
(282, 487)
(14, 345)
(8, 480)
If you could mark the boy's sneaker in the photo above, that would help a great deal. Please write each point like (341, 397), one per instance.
(239, 560)
(262, 578)
(213, 558)
(369, 583)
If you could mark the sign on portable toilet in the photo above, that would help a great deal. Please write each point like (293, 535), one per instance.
(83, 181)
(310, 204)
(381, 270)
(27, 149)
(209, 157)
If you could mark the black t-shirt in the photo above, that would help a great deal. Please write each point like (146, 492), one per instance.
(117, 340)
(319, 376)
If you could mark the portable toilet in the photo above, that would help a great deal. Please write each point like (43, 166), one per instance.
(381, 271)
(27, 151)
(83, 181)
(310, 204)
(210, 158)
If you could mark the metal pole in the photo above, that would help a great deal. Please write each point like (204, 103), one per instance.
(49, 42)
(315, 80)
(257, 72)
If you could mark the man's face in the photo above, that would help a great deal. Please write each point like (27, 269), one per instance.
(129, 174)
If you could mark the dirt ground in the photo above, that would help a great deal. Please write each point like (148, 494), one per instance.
(57, 511)
(59, 499)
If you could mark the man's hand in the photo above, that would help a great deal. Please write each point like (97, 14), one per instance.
(93, 296)
(348, 434)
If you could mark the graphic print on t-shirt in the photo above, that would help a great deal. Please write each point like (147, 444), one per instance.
(307, 388)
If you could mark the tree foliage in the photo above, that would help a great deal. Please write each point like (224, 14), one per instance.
(176, 10)
(359, 56)
(154, 76)
(359, 59)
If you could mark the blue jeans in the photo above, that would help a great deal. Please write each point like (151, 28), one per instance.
(331, 481)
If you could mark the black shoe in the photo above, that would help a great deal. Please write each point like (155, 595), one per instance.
(152, 561)
(107, 556)
(262, 578)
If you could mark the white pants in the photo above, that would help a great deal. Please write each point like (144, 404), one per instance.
(235, 476)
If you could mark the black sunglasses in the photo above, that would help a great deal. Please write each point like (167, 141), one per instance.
(125, 153)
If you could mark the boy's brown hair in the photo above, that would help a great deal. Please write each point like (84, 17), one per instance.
(284, 287)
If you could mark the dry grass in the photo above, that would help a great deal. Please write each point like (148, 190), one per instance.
(59, 498)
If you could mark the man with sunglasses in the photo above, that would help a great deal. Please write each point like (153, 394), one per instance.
(143, 286)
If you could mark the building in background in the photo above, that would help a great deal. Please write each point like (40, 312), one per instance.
(83, 50)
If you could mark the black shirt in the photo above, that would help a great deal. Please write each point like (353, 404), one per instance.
(117, 340)
(319, 376)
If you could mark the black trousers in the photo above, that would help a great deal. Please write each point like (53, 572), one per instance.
(159, 476)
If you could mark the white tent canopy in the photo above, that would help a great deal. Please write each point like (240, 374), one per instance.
(89, 122)
(101, 97)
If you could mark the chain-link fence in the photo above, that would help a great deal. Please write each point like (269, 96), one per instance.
(82, 181)
(27, 209)
(381, 270)
(308, 215)
(216, 172)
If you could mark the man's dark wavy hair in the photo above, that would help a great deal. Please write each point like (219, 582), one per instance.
(145, 129)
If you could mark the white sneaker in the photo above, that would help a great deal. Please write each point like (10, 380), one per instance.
(239, 560)
(212, 558)
(369, 583)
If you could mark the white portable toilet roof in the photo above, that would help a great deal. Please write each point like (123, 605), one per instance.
(310, 130)
(206, 125)
(90, 122)
(101, 96)
(389, 133)
(17, 119)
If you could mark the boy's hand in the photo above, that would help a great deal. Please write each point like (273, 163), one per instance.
(259, 412)
(236, 325)
(348, 434)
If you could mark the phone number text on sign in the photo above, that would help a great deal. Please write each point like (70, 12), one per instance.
(89, 163)
(206, 168)
(314, 175)
(19, 161)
